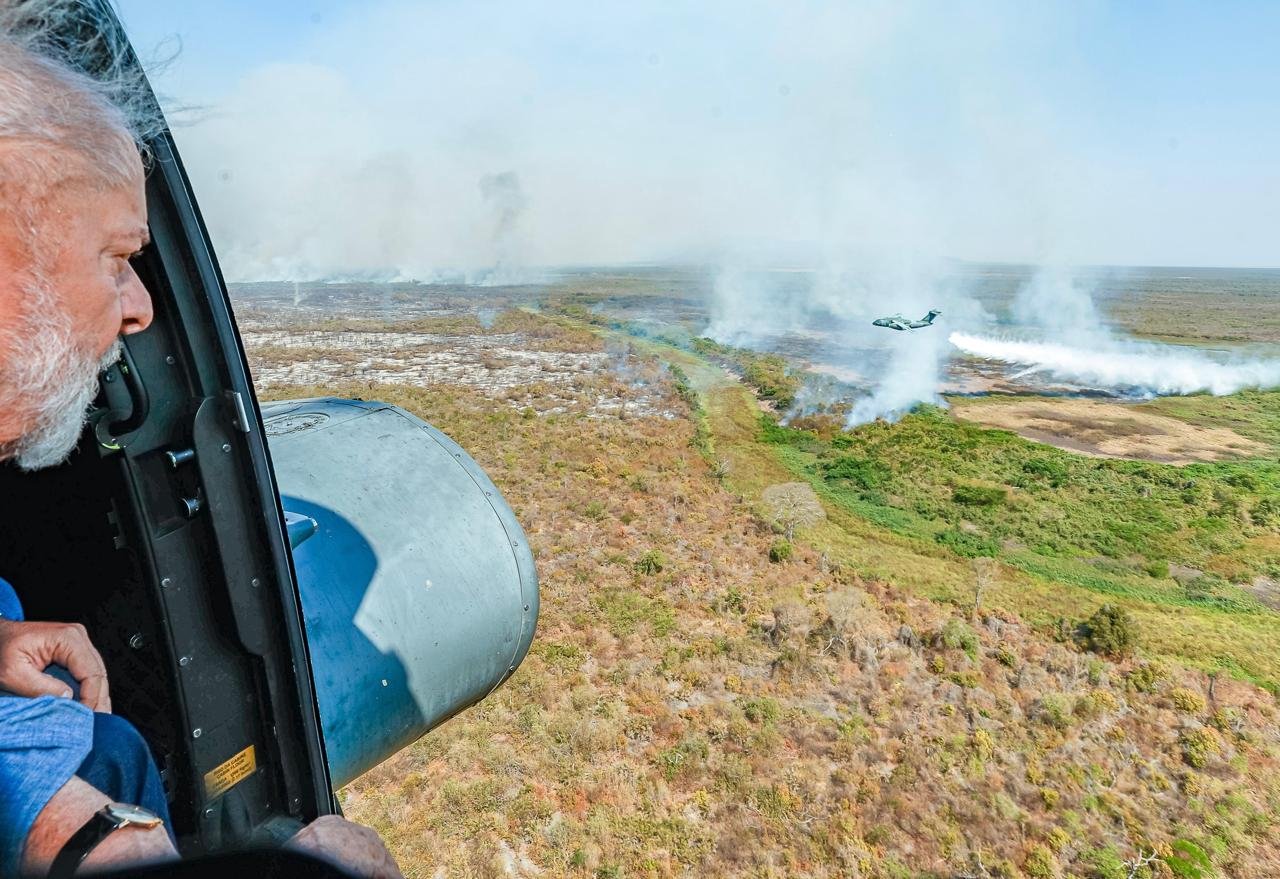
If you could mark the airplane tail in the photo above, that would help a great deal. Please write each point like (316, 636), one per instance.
(933, 312)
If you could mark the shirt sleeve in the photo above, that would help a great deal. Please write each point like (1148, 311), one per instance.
(10, 606)
(42, 743)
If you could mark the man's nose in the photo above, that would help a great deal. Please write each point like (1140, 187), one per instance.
(135, 306)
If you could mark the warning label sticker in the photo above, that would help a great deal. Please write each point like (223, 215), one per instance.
(230, 773)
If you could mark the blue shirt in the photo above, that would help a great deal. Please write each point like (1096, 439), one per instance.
(42, 743)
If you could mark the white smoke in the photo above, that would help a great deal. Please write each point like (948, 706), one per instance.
(1071, 343)
(911, 376)
(750, 308)
(1126, 367)
(1060, 306)
(831, 311)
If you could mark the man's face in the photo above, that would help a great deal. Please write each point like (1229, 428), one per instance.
(91, 276)
(64, 315)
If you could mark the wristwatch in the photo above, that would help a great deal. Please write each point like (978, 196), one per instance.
(104, 822)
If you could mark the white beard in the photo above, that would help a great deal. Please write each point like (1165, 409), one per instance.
(44, 375)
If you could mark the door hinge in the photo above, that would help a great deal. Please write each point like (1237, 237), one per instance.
(239, 413)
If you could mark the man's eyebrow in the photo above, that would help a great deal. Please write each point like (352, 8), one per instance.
(140, 234)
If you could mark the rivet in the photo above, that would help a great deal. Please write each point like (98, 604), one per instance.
(226, 447)
(196, 733)
(526, 607)
(184, 661)
(166, 582)
(170, 359)
(255, 582)
(208, 813)
(136, 641)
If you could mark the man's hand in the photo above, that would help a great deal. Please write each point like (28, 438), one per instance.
(27, 649)
(347, 845)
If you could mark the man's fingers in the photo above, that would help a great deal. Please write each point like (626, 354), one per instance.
(28, 648)
(25, 680)
(94, 693)
(73, 650)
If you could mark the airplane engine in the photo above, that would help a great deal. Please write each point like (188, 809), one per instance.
(417, 584)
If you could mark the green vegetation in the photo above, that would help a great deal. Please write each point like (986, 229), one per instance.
(771, 376)
(780, 550)
(652, 562)
(1144, 536)
(878, 706)
(1110, 631)
(972, 489)
(1251, 413)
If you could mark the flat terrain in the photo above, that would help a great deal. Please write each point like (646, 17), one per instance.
(906, 689)
(1108, 429)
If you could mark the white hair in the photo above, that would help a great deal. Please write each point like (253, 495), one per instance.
(74, 109)
(68, 84)
(49, 378)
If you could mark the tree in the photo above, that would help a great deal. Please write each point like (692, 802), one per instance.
(1110, 630)
(985, 572)
(792, 505)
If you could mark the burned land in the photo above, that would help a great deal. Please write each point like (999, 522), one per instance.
(1031, 636)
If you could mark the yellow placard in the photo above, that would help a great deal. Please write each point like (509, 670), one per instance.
(230, 773)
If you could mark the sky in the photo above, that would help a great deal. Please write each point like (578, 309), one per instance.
(394, 139)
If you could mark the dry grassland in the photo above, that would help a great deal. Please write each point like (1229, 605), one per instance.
(691, 708)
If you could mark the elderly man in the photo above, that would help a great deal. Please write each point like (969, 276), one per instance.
(72, 213)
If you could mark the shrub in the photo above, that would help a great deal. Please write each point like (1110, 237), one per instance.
(979, 495)
(732, 601)
(970, 546)
(858, 471)
(1199, 746)
(781, 551)
(1096, 703)
(1110, 631)
(771, 376)
(956, 635)
(1266, 512)
(1186, 860)
(762, 710)
(626, 609)
(652, 562)
(1106, 864)
(1040, 863)
(1187, 700)
(1054, 472)
(1147, 677)
(1055, 710)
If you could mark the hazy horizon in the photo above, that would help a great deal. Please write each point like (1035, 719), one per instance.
(338, 138)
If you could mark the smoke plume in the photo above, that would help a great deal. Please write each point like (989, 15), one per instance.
(1061, 335)
(1127, 367)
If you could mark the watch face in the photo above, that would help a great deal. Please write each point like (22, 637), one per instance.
(133, 814)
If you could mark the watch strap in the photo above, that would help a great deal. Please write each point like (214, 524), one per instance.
(82, 842)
